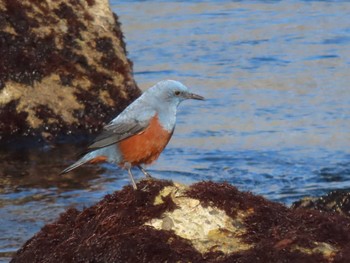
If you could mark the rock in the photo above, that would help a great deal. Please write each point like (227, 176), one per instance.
(337, 201)
(208, 228)
(205, 222)
(63, 68)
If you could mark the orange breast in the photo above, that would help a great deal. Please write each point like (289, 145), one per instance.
(144, 148)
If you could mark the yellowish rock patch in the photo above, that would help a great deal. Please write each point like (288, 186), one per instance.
(208, 228)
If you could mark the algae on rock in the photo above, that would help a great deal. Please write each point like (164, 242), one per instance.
(63, 68)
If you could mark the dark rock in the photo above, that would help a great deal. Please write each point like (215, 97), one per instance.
(206, 222)
(337, 201)
(63, 68)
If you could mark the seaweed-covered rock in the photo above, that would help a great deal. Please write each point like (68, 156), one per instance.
(337, 201)
(63, 68)
(206, 222)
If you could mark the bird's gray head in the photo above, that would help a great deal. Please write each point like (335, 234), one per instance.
(172, 92)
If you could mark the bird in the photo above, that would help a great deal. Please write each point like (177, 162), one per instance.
(139, 134)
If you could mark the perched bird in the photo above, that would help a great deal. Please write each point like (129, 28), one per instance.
(140, 133)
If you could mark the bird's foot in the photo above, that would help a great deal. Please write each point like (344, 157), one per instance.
(148, 176)
(128, 167)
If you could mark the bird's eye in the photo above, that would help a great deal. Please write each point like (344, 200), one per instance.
(177, 93)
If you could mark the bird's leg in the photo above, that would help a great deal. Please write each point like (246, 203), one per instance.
(128, 166)
(144, 172)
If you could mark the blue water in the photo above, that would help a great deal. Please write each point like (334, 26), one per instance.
(276, 121)
(275, 74)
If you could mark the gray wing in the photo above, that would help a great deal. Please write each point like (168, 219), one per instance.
(116, 132)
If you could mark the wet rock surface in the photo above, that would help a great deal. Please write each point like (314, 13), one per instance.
(337, 201)
(63, 68)
(205, 222)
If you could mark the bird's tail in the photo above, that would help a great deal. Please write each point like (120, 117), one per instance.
(75, 165)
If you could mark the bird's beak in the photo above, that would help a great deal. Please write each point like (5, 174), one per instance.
(194, 96)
